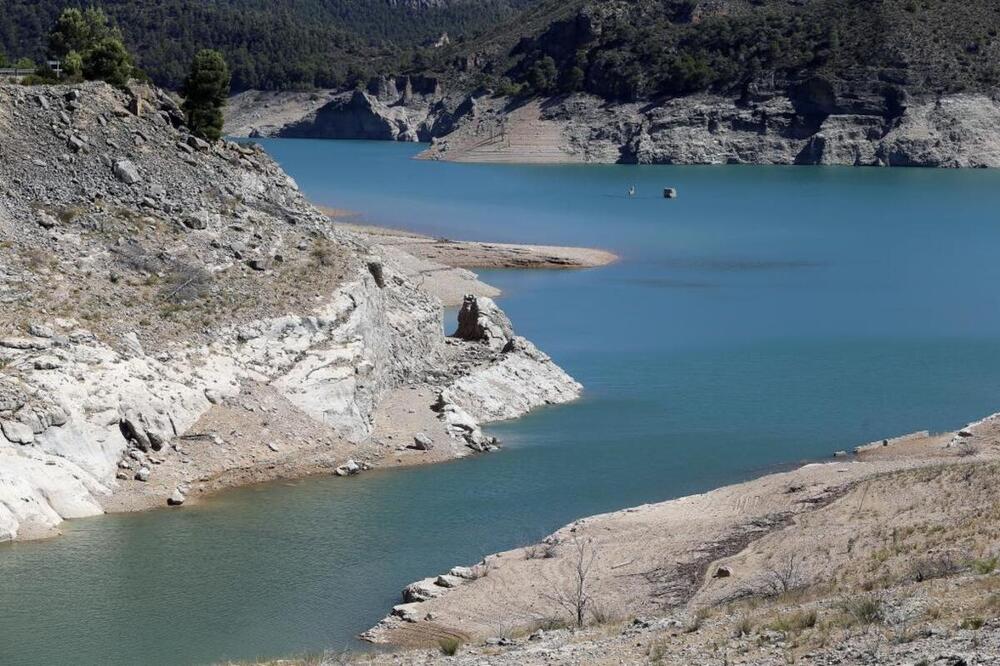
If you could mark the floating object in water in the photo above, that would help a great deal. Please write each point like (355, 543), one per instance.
(632, 190)
(669, 193)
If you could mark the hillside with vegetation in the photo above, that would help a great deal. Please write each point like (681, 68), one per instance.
(637, 49)
(298, 44)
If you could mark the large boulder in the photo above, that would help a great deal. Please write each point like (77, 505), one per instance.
(17, 433)
(481, 320)
(126, 172)
(422, 442)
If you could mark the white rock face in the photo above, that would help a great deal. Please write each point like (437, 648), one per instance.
(68, 427)
(523, 378)
(519, 379)
(335, 365)
(952, 131)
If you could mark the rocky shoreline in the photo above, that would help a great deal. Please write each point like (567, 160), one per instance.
(666, 583)
(816, 124)
(179, 319)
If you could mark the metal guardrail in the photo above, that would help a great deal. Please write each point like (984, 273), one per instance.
(54, 65)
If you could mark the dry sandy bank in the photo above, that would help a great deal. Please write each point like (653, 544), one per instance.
(820, 525)
(474, 254)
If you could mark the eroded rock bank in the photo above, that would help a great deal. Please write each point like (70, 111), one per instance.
(405, 108)
(812, 123)
(951, 131)
(179, 319)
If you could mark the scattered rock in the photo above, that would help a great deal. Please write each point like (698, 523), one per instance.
(350, 468)
(176, 498)
(46, 221)
(198, 220)
(17, 433)
(126, 172)
(133, 430)
(47, 363)
(41, 331)
(467, 573)
(421, 442)
(76, 144)
(422, 590)
(197, 143)
(407, 612)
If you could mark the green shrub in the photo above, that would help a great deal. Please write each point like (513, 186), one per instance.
(985, 566)
(865, 610)
(449, 646)
(974, 623)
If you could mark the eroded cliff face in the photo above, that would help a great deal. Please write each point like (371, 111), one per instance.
(150, 280)
(390, 109)
(954, 131)
(811, 123)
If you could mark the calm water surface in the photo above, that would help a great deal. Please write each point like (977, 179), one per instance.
(767, 316)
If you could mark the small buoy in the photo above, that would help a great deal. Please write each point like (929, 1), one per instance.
(669, 193)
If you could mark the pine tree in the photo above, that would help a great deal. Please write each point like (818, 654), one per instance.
(80, 31)
(109, 61)
(205, 92)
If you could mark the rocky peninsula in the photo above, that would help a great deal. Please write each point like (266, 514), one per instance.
(179, 319)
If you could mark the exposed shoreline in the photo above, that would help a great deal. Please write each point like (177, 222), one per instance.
(739, 530)
(441, 267)
(951, 131)
(475, 254)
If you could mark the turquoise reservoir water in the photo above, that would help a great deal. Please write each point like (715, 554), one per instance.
(767, 316)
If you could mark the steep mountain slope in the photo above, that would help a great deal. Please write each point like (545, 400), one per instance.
(636, 49)
(272, 45)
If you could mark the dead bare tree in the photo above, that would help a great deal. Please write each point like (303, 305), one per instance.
(784, 577)
(574, 595)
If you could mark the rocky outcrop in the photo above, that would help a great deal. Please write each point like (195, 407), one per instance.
(359, 115)
(407, 108)
(480, 320)
(511, 378)
(149, 278)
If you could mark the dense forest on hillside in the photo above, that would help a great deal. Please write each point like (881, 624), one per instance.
(618, 49)
(271, 45)
(635, 49)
